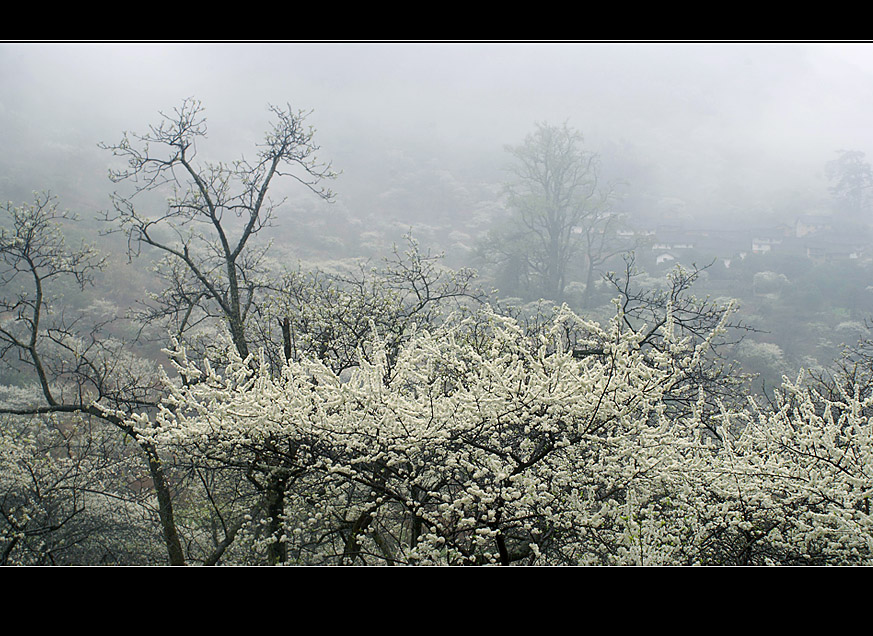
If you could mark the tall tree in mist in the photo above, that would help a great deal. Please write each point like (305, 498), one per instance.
(851, 180)
(213, 211)
(561, 209)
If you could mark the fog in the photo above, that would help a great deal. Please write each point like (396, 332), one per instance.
(698, 117)
(395, 373)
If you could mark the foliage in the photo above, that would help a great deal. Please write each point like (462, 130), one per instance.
(385, 415)
(484, 443)
(65, 496)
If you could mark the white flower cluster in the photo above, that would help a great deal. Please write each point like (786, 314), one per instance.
(477, 443)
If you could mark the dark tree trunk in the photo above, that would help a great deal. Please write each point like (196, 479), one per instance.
(165, 507)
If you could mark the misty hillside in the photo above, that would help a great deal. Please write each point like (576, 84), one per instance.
(311, 303)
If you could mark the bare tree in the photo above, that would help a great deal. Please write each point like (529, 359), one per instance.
(328, 315)
(78, 369)
(214, 272)
(212, 213)
(562, 209)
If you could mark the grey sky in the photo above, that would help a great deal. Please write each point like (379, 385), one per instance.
(767, 110)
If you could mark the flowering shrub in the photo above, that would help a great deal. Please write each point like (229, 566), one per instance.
(482, 443)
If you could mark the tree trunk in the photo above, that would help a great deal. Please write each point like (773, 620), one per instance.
(589, 283)
(277, 552)
(165, 506)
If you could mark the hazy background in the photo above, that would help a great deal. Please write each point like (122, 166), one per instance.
(693, 121)
(716, 155)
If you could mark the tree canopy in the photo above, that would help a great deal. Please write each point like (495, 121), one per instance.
(398, 414)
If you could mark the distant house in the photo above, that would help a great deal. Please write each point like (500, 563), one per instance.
(763, 245)
(828, 250)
